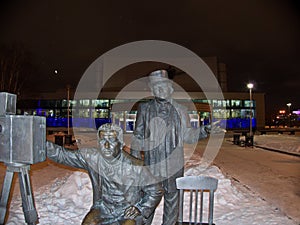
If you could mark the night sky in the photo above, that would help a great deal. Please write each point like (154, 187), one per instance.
(258, 40)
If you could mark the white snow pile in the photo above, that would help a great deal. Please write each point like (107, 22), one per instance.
(287, 143)
(67, 200)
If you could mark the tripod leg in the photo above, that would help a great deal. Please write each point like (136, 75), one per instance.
(29, 210)
(5, 194)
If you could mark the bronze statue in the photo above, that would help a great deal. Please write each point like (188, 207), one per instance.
(162, 126)
(124, 191)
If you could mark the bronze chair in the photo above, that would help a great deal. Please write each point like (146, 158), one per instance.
(196, 185)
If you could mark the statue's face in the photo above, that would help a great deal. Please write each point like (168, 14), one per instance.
(109, 144)
(162, 90)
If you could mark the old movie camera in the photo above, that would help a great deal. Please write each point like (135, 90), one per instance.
(22, 143)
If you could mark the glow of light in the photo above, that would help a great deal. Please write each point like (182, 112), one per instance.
(282, 111)
(296, 112)
(250, 85)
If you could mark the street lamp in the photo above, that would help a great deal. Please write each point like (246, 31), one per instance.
(289, 105)
(68, 105)
(250, 86)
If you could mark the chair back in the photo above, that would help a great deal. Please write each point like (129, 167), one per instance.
(195, 185)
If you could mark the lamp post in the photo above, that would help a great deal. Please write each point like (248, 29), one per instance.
(250, 86)
(68, 105)
(289, 105)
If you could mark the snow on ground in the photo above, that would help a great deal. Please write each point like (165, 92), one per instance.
(287, 143)
(66, 200)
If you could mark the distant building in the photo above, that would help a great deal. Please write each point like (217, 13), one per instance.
(233, 111)
(219, 70)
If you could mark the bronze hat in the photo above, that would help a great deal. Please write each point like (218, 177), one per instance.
(158, 76)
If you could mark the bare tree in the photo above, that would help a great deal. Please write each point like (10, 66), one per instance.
(15, 68)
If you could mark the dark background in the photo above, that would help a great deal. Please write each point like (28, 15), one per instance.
(258, 40)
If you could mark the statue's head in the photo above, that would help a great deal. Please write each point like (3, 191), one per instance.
(110, 140)
(160, 84)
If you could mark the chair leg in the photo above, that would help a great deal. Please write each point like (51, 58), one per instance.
(211, 207)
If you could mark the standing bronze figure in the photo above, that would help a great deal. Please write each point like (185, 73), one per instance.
(124, 191)
(162, 127)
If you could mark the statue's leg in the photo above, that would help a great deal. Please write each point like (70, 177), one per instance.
(149, 219)
(128, 222)
(92, 218)
(170, 208)
(137, 221)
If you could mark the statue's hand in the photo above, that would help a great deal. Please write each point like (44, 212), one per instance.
(131, 212)
(214, 128)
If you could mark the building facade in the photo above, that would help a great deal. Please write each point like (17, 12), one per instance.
(233, 111)
(61, 109)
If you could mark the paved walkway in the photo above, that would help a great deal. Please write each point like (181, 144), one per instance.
(273, 175)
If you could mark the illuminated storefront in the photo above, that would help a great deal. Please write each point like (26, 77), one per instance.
(232, 114)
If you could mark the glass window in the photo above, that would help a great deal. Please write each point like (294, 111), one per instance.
(220, 103)
(100, 113)
(48, 103)
(247, 103)
(82, 113)
(235, 113)
(100, 103)
(227, 103)
(245, 113)
(43, 112)
(72, 103)
(84, 102)
(114, 101)
(236, 103)
(221, 113)
(117, 116)
(51, 113)
(204, 118)
(201, 100)
(64, 103)
(64, 113)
